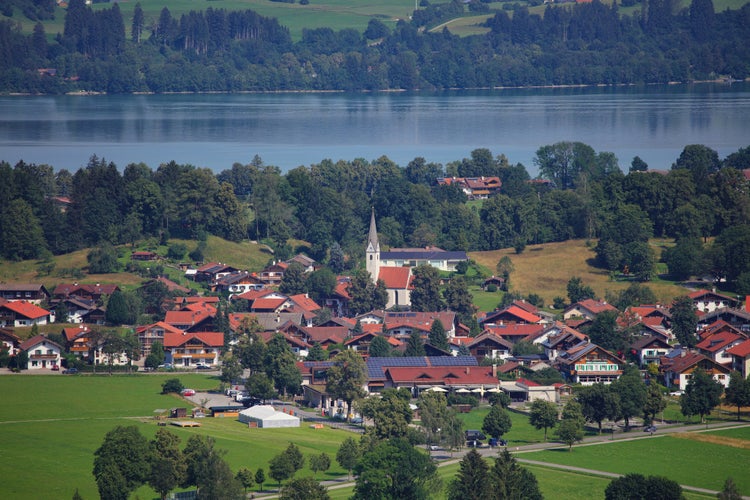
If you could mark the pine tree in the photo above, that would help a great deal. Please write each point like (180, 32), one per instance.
(437, 337)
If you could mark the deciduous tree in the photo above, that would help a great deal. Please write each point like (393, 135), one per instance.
(543, 415)
(702, 394)
(737, 392)
(347, 377)
(121, 463)
(497, 422)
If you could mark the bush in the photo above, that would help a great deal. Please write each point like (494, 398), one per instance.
(173, 385)
(176, 251)
(463, 399)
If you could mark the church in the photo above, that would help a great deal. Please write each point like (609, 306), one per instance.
(394, 267)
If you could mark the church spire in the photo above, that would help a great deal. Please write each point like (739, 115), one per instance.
(372, 253)
(372, 238)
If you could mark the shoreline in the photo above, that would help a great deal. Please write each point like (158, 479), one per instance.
(722, 81)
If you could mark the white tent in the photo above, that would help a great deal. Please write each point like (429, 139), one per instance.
(265, 416)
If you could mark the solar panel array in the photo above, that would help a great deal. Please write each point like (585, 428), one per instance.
(376, 366)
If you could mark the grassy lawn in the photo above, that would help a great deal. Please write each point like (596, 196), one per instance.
(738, 433)
(685, 461)
(53, 443)
(521, 433)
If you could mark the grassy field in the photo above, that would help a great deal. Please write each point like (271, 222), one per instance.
(545, 270)
(685, 461)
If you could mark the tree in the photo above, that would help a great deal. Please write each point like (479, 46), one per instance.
(320, 463)
(390, 413)
(497, 422)
(702, 394)
(730, 491)
(543, 415)
(280, 365)
(563, 162)
(121, 463)
(346, 378)
(655, 402)
(172, 385)
(317, 353)
(21, 235)
(471, 482)
(103, 259)
(577, 291)
(414, 344)
(348, 454)
(320, 284)
(433, 413)
(260, 386)
(167, 463)
(684, 320)
(504, 268)
(280, 468)
(293, 282)
(395, 469)
(425, 294)
(245, 477)
(636, 487)
(570, 428)
(632, 392)
(260, 478)
(605, 332)
(231, 369)
(306, 488)
(379, 347)
(156, 356)
(598, 403)
(437, 337)
(509, 481)
(737, 392)
(459, 299)
(638, 165)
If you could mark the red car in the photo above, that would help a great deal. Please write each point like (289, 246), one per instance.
(188, 392)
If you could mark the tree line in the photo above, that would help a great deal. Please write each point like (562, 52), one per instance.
(219, 50)
(702, 201)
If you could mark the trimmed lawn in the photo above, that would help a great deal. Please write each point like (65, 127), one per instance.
(738, 433)
(692, 463)
(521, 433)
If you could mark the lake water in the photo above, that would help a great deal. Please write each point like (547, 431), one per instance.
(289, 130)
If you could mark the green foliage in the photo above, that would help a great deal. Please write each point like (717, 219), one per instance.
(172, 385)
(245, 477)
(729, 491)
(570, 428)
(306, 488)
(497, 422)
(348, 454)
(260, 478)
(414, 344)
(471, 481)
(632, 392)
(103, 259)
(543, 415)
(510, 481)
(317, 353)
(577, 291)
(635, 487)
(684, 320)
(702, 394)
(121, 463)
(379, 347)
(168, 466)
(737, 392)
(346, 377)
(320, 463)
(437, 337)
(425, 293)
(390, 413)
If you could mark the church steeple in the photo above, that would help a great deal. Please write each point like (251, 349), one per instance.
(372, 253)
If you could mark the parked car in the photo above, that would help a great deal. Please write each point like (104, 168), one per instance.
(249, 401)
(55, 368)
(356, 420)
(474, 435)
(202, 366)
(166, 366)
(70, 371)
(650, 428)
(188, 392)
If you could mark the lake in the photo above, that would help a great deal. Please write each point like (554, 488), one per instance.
(293, 129)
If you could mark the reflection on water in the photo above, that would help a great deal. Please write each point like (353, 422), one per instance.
(300, 129)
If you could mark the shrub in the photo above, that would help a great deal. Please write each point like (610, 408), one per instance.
(172, 385)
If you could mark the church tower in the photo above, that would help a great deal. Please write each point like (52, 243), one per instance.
(372, 253)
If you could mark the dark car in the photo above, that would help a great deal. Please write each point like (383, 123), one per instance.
(201, 366)
(70, 371)
(650, 428)
(473, 435)
(250, 401)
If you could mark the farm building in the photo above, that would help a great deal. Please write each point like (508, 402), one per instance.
(265, 416)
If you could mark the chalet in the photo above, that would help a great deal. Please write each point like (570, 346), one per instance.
(88, 344)
(303, 302)
(475, 188)
(273, 274)
(738, 318)
(268, 322)
(401, 324)
(188, 349)
(171, 285)
(449, 377)
(512, 314)
(22, 313)
(324, 335)
(650, 315)
(9, 341)
(237, 283)
(143, 255)
(716, 346)
(489, 345)
(78, 340)
(42, 352)
(677, 368)
(588, 308)
(84, 291)
(148, 334)
(495, 281)
(361, 343)
(308, 264)
(708, 301)
(30, 292)
(717, 327)
(75, 310)
(588, 364)
(338, 301)
(298, 345)
(740, 354)
(201, 320)
(649, 349)
(213, 271)
(560, 339)
(514, 332)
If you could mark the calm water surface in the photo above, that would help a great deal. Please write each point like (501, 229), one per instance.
(289, 130)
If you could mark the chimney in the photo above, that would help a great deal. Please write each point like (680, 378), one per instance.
(468, 370)
(494, 370)
(683, 353)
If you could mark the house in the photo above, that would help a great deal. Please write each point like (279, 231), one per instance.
(196, 317)
(30, 292)
(588, 364)
(324, 335)
(560, 342)
(740, 354)
(186, 349)
(449, 377)
(512, 314)
(716, 346)
(22, 313)
(709, 301)
(514, 332)
(171, 285)
(273, 274)
(401, 324)
(9, 341)
(490, 345)
(308, 264)
(143, 255)
(88, 344)
(588, 309)
(738, 318)
(649, 349)
(148, 334)
(338, 301)
(475, 188)
(43, 353)
(377, 379)
(76, 310)
(677, 368)
(213, 271)
(361, 343)
(269, 322)
(496, 281)
(438, 258)
(237, 283)
(78, 340)
(84, 291)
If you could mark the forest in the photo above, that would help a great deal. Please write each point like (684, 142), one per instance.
(221, 51)
(702, 202)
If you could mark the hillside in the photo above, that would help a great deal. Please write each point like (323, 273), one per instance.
(545, 270)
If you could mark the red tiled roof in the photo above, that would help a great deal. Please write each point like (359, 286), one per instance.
(185, 317)
(596, 306)
(36, 340)
(700, 293)
(718, 341)
(395, 277)
(527, 382)
(255, 294)
(25, 309)
(211, 339)
(264, 304)
(519, 313)
(74, 331)
(159, 324)
(741, 350)
(305, 302)
(442, 375)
